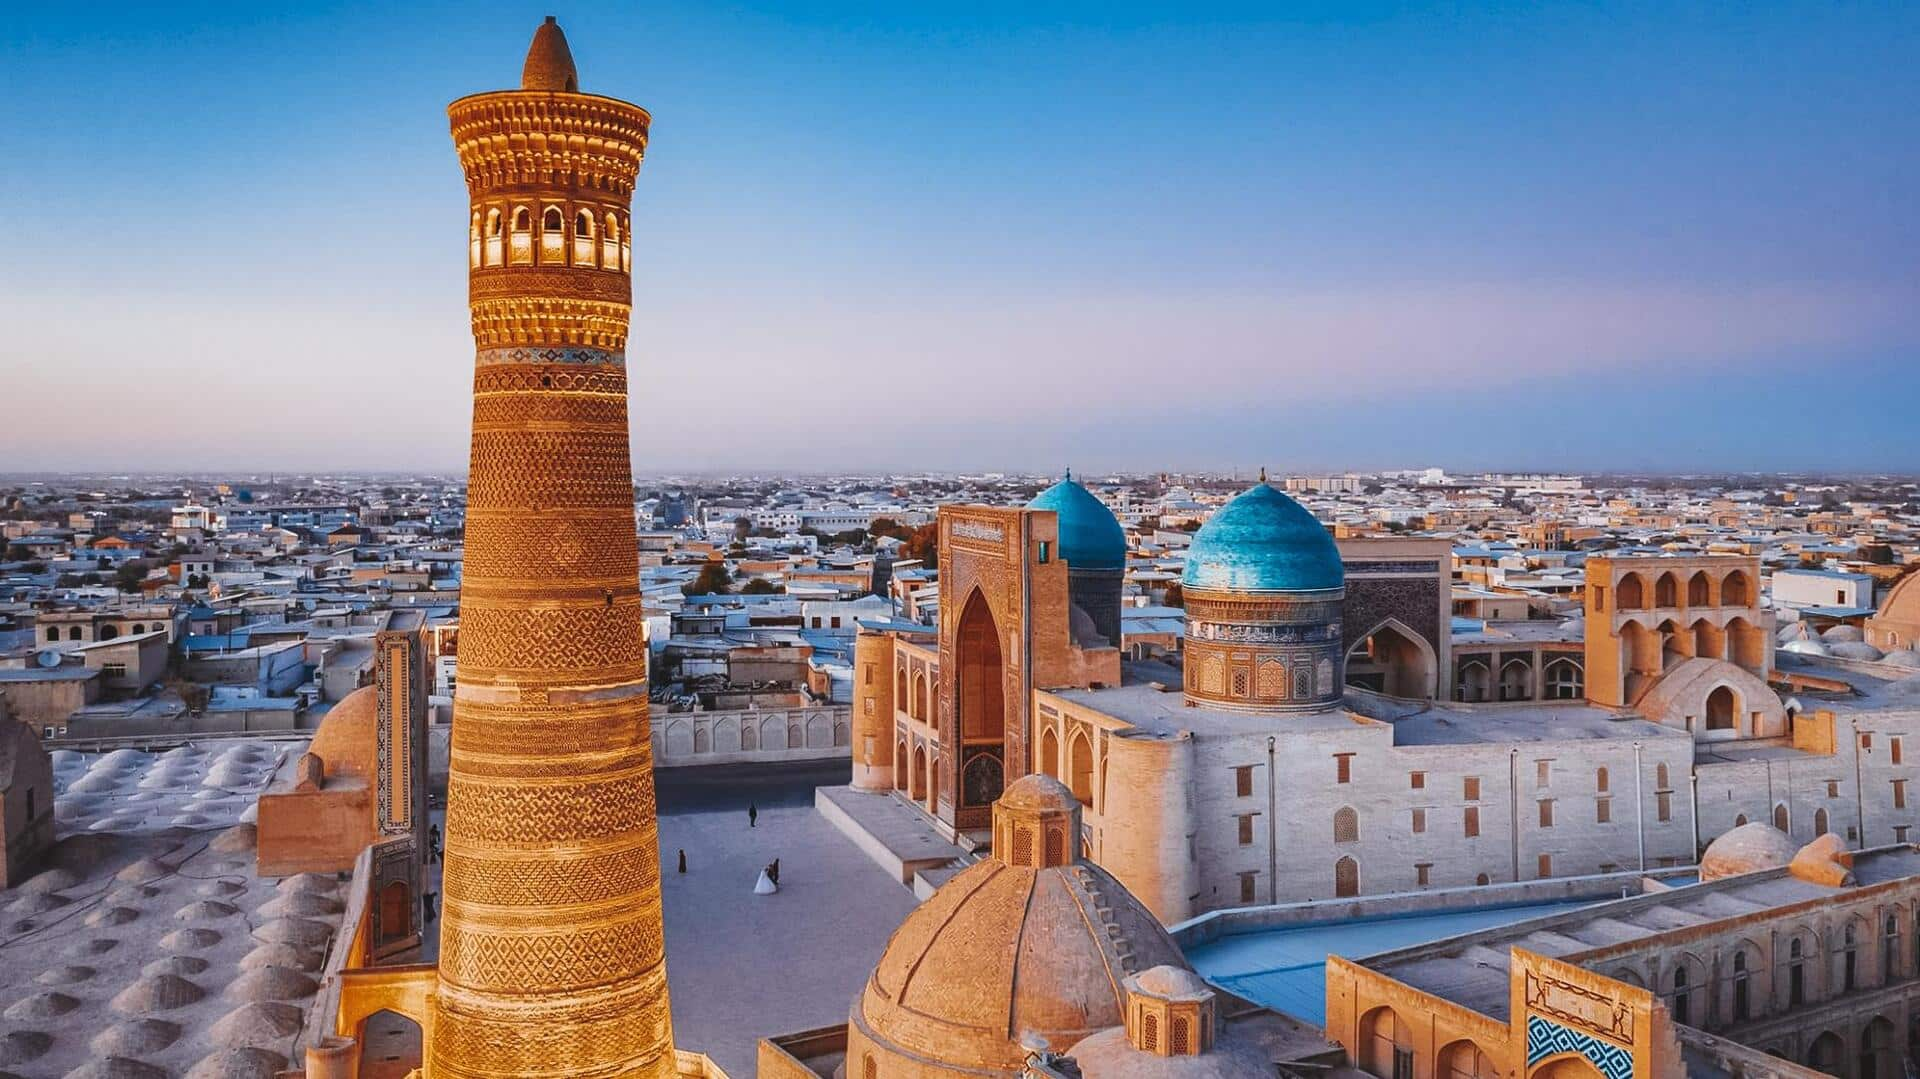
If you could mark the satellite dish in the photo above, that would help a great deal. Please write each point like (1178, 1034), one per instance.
(48, 658)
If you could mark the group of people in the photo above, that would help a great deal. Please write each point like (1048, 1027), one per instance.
(769, 879)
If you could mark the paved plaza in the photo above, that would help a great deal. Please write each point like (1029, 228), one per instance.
(741, 966)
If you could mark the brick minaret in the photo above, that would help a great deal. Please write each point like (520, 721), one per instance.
(551, 959)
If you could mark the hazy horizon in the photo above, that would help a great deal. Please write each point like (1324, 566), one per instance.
(1599, 238)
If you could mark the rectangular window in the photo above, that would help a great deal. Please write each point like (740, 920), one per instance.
(1893, 748)
(1417, 780)
(1423, 873)
(1343, 767)
(1899, 794)
(1246, 887)
(1665, 799)
(1603, 810)
(1866, 740)
(1472, 821)
(1246, 829)
(1046, 551)
(1403, 1063)
(1833, 788)
(1544, 773)
(1900, 833)
(869, 674)
(1546, 812)
(1243, 781)
(1419, 821)
(1470, 788)
(1546, 866)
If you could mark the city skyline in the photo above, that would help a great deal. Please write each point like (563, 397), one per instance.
(1593, 239)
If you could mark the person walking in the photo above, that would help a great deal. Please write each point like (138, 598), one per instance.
(773, 872)
(753, 815)
(683, 859)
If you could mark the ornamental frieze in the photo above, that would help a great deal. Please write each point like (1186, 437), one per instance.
(1242, 633)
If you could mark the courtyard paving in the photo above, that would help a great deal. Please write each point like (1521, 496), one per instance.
(739, 966)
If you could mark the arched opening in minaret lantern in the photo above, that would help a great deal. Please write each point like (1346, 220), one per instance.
(981, 692)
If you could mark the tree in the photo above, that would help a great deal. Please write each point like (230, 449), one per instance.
(128, 577)
(759, 586)
(1176, 596)
(923, 544)
(887, 526)
(742, 528)
(713, 580)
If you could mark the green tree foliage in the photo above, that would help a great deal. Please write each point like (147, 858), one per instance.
(127, 578)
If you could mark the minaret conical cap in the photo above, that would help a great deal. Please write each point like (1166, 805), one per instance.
(549, 62)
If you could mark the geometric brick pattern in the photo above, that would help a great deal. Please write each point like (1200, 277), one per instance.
(552, 959)
(1546, 1038)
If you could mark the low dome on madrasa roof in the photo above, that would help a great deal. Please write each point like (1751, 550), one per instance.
(1806, 648)
(1902, 657)
(1842, 634)
(1029, 945)
(1854, 650)
(1749, 848)
(1263, 541)
(1090, 535)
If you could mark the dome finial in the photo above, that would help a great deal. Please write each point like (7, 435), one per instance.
(549, 63)
(1263, 473)
(1069, 471)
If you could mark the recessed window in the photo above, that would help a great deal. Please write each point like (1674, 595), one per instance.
(1418, 780)
(1243, 781)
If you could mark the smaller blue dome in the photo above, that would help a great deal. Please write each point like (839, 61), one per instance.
(1090, 535)
(1263, 541)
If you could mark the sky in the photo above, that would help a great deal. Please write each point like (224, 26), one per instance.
(1662, 236)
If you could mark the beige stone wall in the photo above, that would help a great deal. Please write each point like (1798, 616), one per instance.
(874, 682)
(1649, 592)
(41, 704)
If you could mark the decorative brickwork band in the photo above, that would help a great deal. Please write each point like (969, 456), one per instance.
(552, 959)
(488, 357)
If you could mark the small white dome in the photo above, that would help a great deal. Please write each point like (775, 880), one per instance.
(1806, 648)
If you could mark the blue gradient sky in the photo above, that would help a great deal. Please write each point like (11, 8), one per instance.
(994, 236)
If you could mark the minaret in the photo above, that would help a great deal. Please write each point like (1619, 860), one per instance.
(551, 958)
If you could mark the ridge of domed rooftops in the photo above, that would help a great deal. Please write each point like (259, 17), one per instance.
(1263, 541)
(549, 63)
(1090, 535)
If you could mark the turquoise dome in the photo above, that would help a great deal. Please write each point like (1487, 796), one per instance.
(1090, 535)
(1263, 541)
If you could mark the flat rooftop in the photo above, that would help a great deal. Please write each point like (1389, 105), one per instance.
(1164, 712)
(1471, 968)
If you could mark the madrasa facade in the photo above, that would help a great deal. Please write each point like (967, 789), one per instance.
(1307, 745)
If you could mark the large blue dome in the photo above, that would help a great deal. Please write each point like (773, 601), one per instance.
(1090, 535)
(1263, 541)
